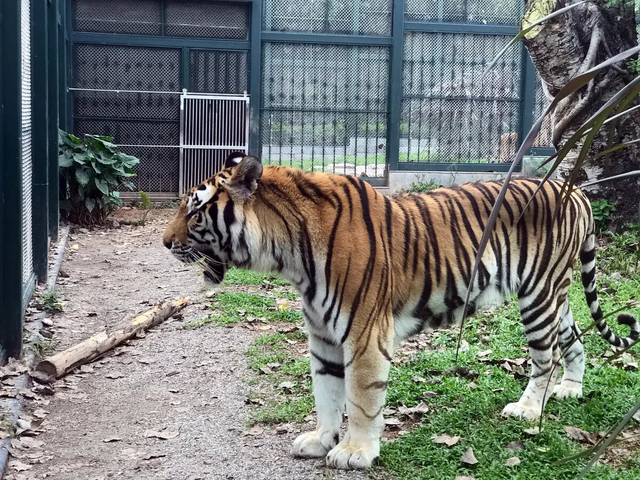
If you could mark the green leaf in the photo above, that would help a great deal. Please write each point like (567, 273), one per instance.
(81, 157)
(146, 202)
(74, 139)
(97, 167)
(83, 177)
(129, 160)
(102, 185)
(64, 160)
(90, 203)
(128, 185)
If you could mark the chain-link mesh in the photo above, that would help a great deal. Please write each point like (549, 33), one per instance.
(449, 115)
(192, 18)
(502, 12)
(372, 17)
(142, 17)
(25, 148)
(544, 138)
(325, 107)
(218, 71)
(132, 118)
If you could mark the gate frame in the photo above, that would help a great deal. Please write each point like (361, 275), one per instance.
(210, 96)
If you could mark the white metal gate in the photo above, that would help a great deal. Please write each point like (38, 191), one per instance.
(211, 127)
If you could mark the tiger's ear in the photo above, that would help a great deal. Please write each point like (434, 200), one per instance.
(233, 159)
(244, 180)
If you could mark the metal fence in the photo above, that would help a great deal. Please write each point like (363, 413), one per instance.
(30, 31)
(361, 88)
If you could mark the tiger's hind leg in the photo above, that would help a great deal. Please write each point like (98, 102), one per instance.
(541, 319)
(573, 356)
(327, 375)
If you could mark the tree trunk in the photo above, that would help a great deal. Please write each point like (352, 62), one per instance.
(571, 44)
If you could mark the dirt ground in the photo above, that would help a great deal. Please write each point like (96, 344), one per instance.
(185, 383)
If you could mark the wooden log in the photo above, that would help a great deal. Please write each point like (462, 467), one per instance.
(64, 362)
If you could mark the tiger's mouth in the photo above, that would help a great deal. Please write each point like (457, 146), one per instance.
(213, 267)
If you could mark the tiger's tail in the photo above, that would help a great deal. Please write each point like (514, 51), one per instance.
(588, 260)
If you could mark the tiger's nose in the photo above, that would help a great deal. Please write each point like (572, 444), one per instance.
(167, 243)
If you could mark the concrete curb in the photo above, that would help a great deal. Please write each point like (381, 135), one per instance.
(22, 382)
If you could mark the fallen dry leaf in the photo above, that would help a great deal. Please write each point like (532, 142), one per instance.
(22, 426)
(532, 431)
(40, 413)
(484, 353)
(266, 370)
(429, 394)
(86, 369)
(512, 462)
(465, 478)
(20, 467)
(419, 379)
(164, 434)
(392, 422)
(418, 410)
(468, 458)
(286, 428)
(515, 446)
(151, 456)
(253, 431)
(112, 439)
(580, 435)
(445, 438)
(464, 346)
(286, 385)
(114, 376)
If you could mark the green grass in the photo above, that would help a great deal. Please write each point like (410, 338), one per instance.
(236, 276)
(233, 307)
(272, 351)
(474, 413)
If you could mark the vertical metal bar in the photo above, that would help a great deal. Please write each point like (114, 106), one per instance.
(163, 17)
(395, 84)
(11, 280)
(69, 100)
(528, 95)
(185, 78)
(53, 76)
(62, 66)
(40, 121)
(255, 87)
(181, 154)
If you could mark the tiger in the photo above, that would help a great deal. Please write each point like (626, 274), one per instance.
(372, 270)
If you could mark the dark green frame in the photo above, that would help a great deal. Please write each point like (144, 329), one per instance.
(11, 281)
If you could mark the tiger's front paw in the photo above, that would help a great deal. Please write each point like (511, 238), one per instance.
(351, 457)
(313, 444)
(522, 409)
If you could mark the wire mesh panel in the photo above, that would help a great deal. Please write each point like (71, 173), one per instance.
(218, 71)
(193, 18)
(505, 12)
(142, 17)
(212, 126)
(448, 115)
(27, 164)
(372, 17)
(132, 118)
(324, 107)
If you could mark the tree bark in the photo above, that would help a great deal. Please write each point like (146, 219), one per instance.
(571, 44)
(62, 363)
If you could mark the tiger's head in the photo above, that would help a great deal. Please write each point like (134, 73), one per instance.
(208, 227)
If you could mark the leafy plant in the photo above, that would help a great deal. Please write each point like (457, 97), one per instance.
(146, 206)
(602, 210)
(51, 302)
(94, 170)
(421, 185)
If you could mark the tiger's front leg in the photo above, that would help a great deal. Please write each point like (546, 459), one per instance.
(367, 362)
(327, 375)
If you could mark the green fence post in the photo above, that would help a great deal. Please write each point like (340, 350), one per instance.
(255, 81)
(40, 111)
(395, 84)
(62, 66)
(53, 75)
(11, 180)
(528, 95)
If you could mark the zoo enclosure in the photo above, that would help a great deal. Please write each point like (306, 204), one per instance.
(33, 46)
(362, 88)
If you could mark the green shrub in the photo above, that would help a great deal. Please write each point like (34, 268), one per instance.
(602, 210)
(93, 169)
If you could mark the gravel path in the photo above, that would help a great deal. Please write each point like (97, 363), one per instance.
(187, 382)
